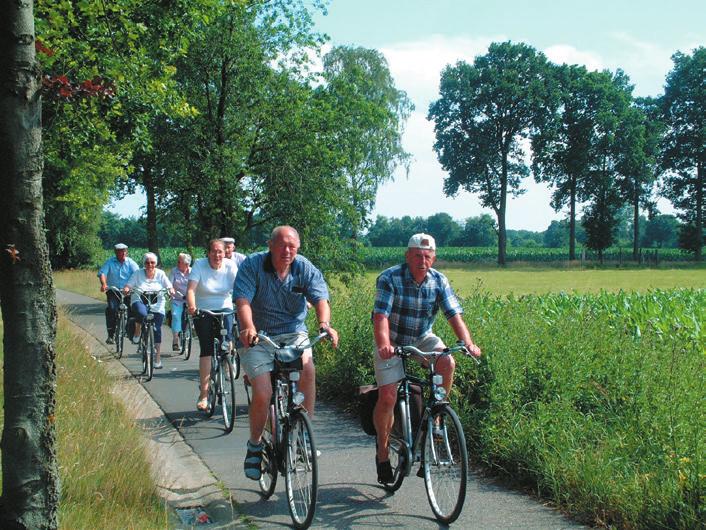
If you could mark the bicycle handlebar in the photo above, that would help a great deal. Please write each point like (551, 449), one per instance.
(261, 335)
(219, 314)
(407, 351)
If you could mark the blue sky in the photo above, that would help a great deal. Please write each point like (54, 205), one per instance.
(418, 38)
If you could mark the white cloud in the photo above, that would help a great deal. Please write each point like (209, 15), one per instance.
(566, 54)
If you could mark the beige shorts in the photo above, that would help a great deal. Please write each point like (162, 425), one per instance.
(389, 371)
(260, 359)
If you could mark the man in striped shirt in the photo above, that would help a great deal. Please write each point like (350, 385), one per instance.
(271, 293)
(407, 299)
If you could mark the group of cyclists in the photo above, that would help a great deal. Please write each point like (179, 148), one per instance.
(271, 291)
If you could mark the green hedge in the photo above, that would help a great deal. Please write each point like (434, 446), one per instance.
(595, 401)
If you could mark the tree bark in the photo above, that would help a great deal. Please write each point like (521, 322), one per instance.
(29, 472)
(636, 222)
(699, 210)
(572, 221)
(148, 183)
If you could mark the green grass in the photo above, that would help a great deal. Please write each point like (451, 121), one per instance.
(103, 466)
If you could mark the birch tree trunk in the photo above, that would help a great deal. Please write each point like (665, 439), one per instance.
(29, 469)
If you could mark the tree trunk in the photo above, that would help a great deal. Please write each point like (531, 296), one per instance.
(699, 210)
(572, 221)
(30, 477)
(148, 183)
(636, 223)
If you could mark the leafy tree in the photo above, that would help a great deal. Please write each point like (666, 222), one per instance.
(484, 113)
(481, 231)
(683, 149)
(444, 229)
(30, 477)
(661, 231)
(557, 234)
(567, 149)
(639, 134)
(370, 113)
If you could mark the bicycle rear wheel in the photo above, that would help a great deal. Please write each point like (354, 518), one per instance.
(397, 452)
(268, 479)
(149, 354)
(445, 464)
(227, 385)
(301, 470)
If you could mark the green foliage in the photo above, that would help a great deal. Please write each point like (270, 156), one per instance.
(684, 108)
(661, 231)
(593, 400)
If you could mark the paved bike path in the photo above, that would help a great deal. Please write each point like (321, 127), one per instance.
(348, 494)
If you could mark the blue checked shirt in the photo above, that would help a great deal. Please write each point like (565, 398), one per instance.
(411, 308)
(117, 274)
(279, 306)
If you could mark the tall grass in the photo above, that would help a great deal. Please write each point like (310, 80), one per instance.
(103, 467)
(595, 401)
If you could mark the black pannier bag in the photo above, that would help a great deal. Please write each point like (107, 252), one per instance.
(368, 397)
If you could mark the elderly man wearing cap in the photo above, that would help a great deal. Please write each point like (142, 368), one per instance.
(231, 254)
(407, 298)
(115, 272)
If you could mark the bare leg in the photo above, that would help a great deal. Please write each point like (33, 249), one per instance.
(259, 405)
(307, 383)
(383, 417)
(204, 373)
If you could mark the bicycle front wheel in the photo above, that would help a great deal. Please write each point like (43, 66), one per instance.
(213, 390)
(150, 353)
(186, 337)
(397, 452)
(227, 385)
(120, 334)
(445, 464)
(268, 478)
(301, 470)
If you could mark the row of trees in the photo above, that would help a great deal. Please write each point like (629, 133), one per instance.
(585, 134)
(658, 231)
(219, 112)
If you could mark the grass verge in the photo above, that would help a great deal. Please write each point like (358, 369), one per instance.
(103, 466)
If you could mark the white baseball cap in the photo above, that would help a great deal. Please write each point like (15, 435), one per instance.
(120, 246)
(228, 240)
(423, 241)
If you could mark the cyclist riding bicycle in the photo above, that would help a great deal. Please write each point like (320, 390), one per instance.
(149, 279)
(407, 298)
(210, 287)
(179, 276)
(115, 272)
(271, 293)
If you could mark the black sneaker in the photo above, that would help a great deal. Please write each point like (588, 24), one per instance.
(110, 340)
(384, 471)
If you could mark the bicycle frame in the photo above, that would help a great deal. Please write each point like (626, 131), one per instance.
(149, 298)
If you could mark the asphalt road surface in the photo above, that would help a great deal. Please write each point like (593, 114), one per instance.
(349, 496)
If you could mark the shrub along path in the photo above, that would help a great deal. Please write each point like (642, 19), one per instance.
(348, 494)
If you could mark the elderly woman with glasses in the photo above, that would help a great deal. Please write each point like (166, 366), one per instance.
(149, 278)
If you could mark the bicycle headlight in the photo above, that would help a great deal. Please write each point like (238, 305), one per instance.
(298, 398)
(439, 393)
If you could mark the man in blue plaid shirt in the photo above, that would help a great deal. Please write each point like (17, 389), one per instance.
(407, 299)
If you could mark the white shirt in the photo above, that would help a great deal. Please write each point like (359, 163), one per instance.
(140, 281)
(214, 289)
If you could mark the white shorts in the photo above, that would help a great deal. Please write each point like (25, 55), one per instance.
(389, 371)
(260, 359)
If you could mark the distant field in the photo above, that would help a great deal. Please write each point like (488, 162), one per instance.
(549, 280)
(468, 281)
